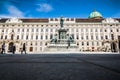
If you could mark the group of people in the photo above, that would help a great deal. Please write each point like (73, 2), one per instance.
(13, 49)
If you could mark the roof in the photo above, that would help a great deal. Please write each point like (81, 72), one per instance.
(28, 20)
(46, 20)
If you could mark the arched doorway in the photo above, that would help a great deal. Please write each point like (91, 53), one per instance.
(10, 46)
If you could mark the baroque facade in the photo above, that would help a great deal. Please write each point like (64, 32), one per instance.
(91, 34)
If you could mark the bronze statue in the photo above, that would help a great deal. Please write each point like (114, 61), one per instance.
(61, 22)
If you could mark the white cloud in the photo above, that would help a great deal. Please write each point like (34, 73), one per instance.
(12, 12)
(15, 12)
(44, 7)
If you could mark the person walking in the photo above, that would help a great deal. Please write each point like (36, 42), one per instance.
(14, 49)
(3, 48)
(23, 49)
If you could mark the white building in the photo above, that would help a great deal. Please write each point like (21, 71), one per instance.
(91, 34)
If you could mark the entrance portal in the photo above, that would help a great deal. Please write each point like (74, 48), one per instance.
(10, 47)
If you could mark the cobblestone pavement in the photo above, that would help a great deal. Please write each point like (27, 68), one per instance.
(60, 67)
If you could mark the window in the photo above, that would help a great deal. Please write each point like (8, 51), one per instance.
(82, 43)
(51, 30)
(26, 37)
(51, 36)
(82, 37)
(41, 37)
(6, 37)
(37, 30)
(96, 30)
(106, 37)
(3, 30)
(36, 43)
(41, 30)
(32, 30)
(105, 30)
(31, 36)
(92, 43)
(97, 43)
(76, 30)
(46, 30)
(22, 37)
(91, 37)
(101, 37)
(18, 30)
(87, 43)
(91, 30)
(96, 37)
(77, 37)
(117, 30)
(17, 36)
(100, 30)
(22, 30)
(36, 37)
(40, 43)
(27, 30)
(46, 37)
(86, 37)
(111, 30)
(12, 37)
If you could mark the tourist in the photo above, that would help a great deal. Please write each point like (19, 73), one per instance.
(14, 49)
(23, 49)
(3, 48)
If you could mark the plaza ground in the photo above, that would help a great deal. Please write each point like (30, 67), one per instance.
(60, 66)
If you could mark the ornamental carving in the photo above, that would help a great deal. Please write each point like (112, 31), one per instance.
(13, 20)
(110, 20)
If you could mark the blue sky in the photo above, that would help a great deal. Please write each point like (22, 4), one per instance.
(57, 8)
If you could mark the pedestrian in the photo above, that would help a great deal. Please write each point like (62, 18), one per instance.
(3, 48)
(14, 49)
(23, 49)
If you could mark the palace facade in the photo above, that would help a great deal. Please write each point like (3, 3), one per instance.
(94, 33)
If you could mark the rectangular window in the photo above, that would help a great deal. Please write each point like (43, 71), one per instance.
(6, 37)
(37, 30)
(31, 36)
(41, 37)
(32, 30)
(22, 30)
(27, 30)
(82, 37)
(26, 37)
(77, 37)
(96, 37)
(87, 43)
(41, 30)
(92, 43)
(91, 37)
(17, 36)
(36, 37)
(46, 37)
(106, 37)
(82, 43)
(117, 30)
(46, 30)
(101, 37)
(18, 30)
(86, 37)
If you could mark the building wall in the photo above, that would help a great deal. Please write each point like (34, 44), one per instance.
(89, 36)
